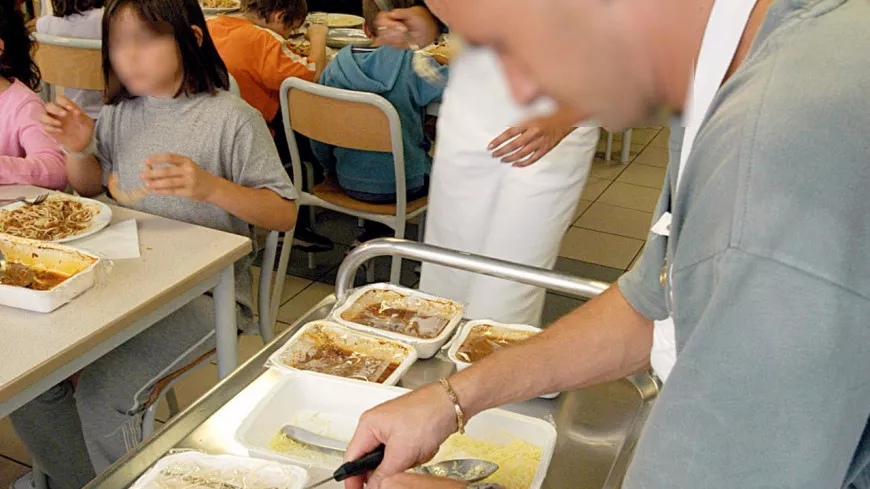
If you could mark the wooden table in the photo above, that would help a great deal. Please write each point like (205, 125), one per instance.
(179, 262)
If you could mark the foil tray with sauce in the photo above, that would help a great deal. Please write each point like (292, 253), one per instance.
(479, 339)
(52, 259)
(424, 321)
(327, 348)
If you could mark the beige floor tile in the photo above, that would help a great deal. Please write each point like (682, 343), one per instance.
(631, 196)
(644, 175)
(606, 170)
(10, 445)
(616, 220)
(643, 135)
(654, 156)
(302, 303)
(636, 258)
(661, 141)
(594, 188)
(190, 388)
(599, 248)
(292, 286)
(10, 472)
(248, 346)
(581, 208)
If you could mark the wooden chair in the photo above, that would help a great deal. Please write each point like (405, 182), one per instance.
(354, 120)
(69, 62)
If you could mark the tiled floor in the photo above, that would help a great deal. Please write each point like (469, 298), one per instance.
(608, 233)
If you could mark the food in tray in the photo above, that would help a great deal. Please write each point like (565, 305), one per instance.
(302, 48)
(485, 339)
(56, 218)
(406, 314)
(441, 51)
(190, 469)
(331, 349)
(344, 20)
(221, 4)
(18, 275)
(517, 459)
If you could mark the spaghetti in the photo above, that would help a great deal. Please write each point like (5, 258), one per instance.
(54, 219)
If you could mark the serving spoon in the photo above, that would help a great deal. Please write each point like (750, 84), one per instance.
(467, 470)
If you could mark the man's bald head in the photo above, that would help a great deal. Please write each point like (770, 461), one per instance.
(614, 60)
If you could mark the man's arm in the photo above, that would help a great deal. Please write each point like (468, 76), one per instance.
(603, 340)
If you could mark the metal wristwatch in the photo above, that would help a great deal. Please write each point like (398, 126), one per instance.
(89, 150)
(485, 485)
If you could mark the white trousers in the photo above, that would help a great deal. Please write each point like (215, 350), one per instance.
(479, 205)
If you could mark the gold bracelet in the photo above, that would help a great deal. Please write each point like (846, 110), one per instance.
(451, 395)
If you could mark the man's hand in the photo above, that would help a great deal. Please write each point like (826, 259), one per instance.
(530, 141)
(412, 427)
(397, 28)
(172, 174)
(416, 481)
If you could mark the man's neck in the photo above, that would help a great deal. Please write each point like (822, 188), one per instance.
(679, 39)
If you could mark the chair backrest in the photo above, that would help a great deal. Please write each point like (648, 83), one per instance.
(70, 62)
(345, 118)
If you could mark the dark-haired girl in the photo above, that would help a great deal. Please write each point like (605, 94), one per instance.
(27, 154)
(80, 19)
(183, 147)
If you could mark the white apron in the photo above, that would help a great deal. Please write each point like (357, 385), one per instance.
(479, 205)
(722, 36)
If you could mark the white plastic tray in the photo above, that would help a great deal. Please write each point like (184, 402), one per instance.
(358, 341)
(466, 329)
(426, 348)
(236, 469)
(331, 406)
(53, 257)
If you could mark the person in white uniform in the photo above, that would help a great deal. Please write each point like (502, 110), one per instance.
(482, 205)
(505, 182)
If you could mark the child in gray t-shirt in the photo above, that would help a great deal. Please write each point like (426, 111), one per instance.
(170, 141)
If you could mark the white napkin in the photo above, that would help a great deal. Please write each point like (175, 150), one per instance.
(116, 242)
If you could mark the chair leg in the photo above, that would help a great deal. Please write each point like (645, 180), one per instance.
(312, 261)
(148, 421)
(370, 271)
(172, 401)
(40, 480)
(421, 226)
(626, 147)
(360, 222)
(608, 149)
(396, 265)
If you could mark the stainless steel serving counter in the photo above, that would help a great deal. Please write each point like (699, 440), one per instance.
(597, 427)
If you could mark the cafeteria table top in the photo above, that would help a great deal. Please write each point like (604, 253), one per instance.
(178, 262)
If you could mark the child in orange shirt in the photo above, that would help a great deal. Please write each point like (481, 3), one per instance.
(253, 46)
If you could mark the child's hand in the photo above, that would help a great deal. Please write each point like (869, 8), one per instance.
(69, 126)
(172, 174)
(317, 31)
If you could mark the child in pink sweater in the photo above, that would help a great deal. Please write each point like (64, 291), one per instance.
(28, 155)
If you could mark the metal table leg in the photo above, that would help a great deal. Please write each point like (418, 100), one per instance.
(226, 329)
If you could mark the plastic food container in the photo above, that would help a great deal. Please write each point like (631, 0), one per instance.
(379, 357)
(80, 266)
(423, 308)
(196, 469)
(331, 406)
(513, 331)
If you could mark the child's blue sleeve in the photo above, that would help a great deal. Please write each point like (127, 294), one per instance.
(424, 91)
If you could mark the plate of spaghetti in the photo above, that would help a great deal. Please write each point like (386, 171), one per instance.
(59, 219)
